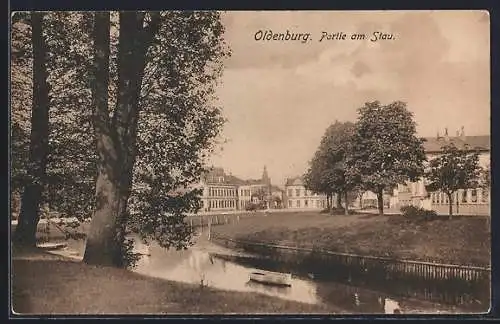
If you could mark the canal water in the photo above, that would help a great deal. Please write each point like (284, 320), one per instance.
(210, 265)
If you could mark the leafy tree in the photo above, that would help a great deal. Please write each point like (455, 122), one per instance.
(327, 170)
(21, 95)
(384, 149)
(262, 196)
(70, 170)
(38, 149)
(178, 119)
(161, 128)
(454, 169)
(485, 177)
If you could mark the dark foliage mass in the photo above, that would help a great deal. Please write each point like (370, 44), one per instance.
(178, 120)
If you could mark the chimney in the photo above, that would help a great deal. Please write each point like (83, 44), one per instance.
(446, 138)
(462, 134)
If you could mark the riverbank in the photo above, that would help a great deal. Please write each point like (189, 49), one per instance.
(462, 240)
(44, 283)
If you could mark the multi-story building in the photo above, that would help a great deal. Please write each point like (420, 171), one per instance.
(222, 192)
(298, 197)
(466, 201)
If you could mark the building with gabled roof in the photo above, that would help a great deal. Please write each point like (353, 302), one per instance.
(298, 197)
(226, 192)
(472, 201)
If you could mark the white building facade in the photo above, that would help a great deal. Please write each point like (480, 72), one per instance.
(471, 201)
(298, 197)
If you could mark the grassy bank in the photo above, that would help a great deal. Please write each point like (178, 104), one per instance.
(462, 240)
(48, 284)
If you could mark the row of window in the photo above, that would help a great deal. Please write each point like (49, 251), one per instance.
(222, 192)
(442, 198)
(313, 203)
(299, 191)
(245, 192)
(222, 204)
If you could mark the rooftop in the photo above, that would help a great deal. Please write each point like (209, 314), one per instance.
(477, 142)
(296, 181)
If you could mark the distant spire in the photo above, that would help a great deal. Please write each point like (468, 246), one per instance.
(265, 176)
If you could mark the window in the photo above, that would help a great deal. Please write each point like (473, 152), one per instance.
(317, 203)
(474, 195)
(290, 192)
(298, 203)
(306, 203)
(445, 198)
(433, 197)
(297, 192)
(289, 203)
(464, 196)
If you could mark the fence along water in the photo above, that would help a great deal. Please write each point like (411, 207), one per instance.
(386, 267)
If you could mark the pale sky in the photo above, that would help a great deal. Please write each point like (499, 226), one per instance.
(279, 97)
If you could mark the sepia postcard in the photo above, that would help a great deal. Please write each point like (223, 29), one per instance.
(250, 162)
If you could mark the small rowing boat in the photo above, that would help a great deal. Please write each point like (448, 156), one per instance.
(272, 278)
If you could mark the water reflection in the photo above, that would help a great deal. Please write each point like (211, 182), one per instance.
(200, 267)
(229, 272)
(208, 264)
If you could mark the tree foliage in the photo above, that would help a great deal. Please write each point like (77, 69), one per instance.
(384, 150)
(69, 184)
(454, 169)
(178, 123)
(327, 170)
(177, 127)
(38, 148)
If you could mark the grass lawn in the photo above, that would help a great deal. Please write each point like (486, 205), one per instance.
(47, 284)
(462, 240)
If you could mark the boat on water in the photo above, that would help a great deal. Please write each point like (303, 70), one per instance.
(49, 246)
(271, 278)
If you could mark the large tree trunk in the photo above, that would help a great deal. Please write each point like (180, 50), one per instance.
(450, 201)
(133, 46)
(338, 195)
(380, 201)
(25, 234)
(346, 203)
(328, 202)
(103, 247)
(116, 139)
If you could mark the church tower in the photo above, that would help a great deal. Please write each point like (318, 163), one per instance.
(265, 176)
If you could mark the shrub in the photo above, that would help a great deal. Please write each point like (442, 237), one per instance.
(418, 213)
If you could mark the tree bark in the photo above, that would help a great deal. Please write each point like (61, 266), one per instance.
(450, 201)
(339, 199)
(29, 217)
(134, 42)
(380, 200)
(346, 203)
(103, 247)
(116, 139)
